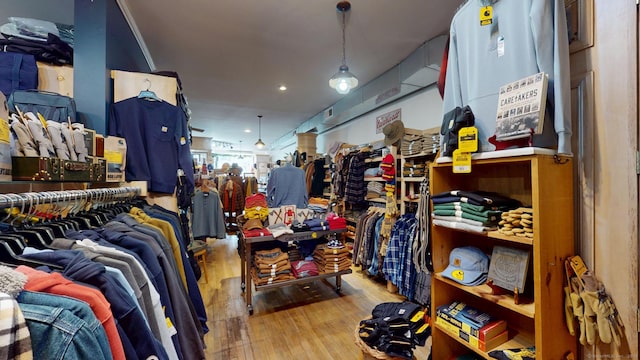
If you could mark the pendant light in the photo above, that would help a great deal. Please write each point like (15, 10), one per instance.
(259, 144)
(343, 81)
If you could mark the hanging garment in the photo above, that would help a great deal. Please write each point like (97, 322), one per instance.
(157, 146)
(208, 215)
(287, 186)
(525, 38)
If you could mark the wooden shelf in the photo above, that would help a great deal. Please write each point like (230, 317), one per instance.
(413, 179)
(518, 341)
(411, 200)
(301, 280)
(484, 291)
(422, 154)
(543, 180)
(377, 200)
(374, 159)
(497, 235)
(377, 178)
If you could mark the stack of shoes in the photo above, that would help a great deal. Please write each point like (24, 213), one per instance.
(331, 259)
(270, 266)
(518, 222)
(395, 329)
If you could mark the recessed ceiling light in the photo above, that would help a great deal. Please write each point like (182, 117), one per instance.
(247, 130)
(283, 88)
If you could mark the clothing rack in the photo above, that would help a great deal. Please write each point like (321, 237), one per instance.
(102, 196)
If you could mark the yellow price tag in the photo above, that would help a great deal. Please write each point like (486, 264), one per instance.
(486, 15)
(461, 162)
(114, 157)
(468, 139)
(4, 131)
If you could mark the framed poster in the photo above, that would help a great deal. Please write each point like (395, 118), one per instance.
(508, 268)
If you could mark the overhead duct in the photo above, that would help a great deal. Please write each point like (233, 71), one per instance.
(417, 71)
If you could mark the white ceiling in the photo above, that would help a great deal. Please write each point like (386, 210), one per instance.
(232, 55)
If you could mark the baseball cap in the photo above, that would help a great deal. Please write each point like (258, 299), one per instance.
(468, 265)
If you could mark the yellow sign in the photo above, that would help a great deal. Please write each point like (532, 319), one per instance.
(113, 156)
(4, 131)
(461, 162)
(468, 139)
(486, 15)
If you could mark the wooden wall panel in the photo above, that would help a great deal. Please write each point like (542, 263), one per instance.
(606, 173)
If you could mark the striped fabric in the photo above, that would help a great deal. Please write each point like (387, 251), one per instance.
(15, 340)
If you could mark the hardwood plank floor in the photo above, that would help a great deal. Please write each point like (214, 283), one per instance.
(306, 321)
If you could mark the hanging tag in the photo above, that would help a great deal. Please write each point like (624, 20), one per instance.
(461, 162)
(468, 139)
(486, 15)
(500, 46)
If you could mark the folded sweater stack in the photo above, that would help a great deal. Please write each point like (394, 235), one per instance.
(271, 266)
(331, 259)
(470, 210)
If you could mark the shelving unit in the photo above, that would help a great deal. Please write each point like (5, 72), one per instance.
(411, 184)
(246, 244)
(545, 182)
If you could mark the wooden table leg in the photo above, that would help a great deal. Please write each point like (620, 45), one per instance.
(243, 276)
(247, 267)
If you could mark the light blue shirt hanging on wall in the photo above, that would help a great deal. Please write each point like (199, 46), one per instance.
(525, 37)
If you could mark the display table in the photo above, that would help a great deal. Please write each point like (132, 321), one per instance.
(245, 244)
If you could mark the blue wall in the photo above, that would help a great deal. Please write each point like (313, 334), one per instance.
(103, 41)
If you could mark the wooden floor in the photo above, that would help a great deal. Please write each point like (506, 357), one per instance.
(302, 321)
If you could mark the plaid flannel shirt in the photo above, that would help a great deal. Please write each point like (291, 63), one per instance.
(15, 342)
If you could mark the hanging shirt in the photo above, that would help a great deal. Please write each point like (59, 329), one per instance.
(524, 38)
(157, 142)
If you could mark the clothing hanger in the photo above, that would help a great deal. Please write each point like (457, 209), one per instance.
(148, 94)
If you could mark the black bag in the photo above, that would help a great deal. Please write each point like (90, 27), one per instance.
(452, 122)
(17, 72)
(52, 106)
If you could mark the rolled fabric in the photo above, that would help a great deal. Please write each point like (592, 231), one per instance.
(68, 139)
(23, 135)
(55, 131)
(39, 134)
(79, 144)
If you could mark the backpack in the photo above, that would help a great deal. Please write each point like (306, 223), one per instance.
(52, 106)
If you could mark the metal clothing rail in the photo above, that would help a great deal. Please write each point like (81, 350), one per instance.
(95, 196)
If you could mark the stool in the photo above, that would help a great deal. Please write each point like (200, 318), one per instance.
(201, 258)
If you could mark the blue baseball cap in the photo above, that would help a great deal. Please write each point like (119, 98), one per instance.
(468, 265)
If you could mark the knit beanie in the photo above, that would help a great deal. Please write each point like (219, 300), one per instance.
(387, 162)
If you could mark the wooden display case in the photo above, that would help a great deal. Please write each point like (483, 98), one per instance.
(538, 178)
